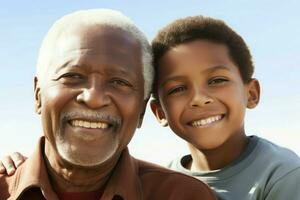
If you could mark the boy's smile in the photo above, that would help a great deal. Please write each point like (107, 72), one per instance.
(205, 121)
(202, 95)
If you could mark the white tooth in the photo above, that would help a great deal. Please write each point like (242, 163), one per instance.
(80, 123)
(93, 125)
(86, 124)
(76, 122)
(102, 125)
(201, 122)
(105, 125)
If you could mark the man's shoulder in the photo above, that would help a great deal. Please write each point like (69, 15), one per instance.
(159, 179)
(151, 169)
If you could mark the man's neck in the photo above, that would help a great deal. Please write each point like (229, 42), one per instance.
(207, 160)
(67, 178)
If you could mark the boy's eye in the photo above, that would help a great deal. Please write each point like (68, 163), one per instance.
(176, 90)
(217, 81)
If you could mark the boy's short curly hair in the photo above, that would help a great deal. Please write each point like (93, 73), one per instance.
(200, 27)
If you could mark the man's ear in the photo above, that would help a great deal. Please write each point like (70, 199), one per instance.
(253, 93)
(142, 113)
(37, 96)
(158, 112)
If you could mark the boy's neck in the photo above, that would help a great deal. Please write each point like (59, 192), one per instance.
(212, 159)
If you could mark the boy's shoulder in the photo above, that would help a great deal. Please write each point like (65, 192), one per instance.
(265, 168)
(280, 169)
(276, 155)
(260, 154)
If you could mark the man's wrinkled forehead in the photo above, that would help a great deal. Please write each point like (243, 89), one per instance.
(76, 40)
(111, 46)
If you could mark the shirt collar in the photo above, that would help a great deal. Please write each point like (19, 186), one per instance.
(124, 180)
(33, 173)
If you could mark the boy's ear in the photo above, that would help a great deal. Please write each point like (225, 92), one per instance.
(37, 96)
(158, 112)
(253, 93)
(142, 113)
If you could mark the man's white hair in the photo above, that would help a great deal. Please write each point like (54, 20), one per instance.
(107, 17)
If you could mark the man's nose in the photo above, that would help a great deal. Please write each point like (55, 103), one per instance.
(95, 96)
(200, 98)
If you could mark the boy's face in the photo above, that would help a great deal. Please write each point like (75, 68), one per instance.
(202, 95)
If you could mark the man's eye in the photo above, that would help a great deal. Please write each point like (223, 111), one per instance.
(177, 90)
(217, 81)
(70, 76)
(120, 82)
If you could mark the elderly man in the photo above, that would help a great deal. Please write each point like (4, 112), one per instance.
(93, 80)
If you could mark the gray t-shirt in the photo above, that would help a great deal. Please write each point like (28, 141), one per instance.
(264, 171)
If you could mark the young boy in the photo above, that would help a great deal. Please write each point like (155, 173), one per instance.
(203, 86)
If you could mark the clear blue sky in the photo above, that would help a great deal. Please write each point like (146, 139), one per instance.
(270, 28)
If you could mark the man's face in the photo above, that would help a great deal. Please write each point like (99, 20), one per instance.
(91, 96)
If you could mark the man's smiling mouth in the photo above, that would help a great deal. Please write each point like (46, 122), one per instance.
(206, 121)
(89, 124)
(91, 121)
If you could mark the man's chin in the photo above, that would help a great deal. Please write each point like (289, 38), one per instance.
(84, 159)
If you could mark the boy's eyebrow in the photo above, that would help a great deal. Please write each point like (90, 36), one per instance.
(217, 68)
(207, 71)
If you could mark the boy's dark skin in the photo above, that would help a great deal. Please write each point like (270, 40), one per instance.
(198, 80)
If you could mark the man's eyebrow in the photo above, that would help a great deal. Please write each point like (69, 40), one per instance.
(64, 66)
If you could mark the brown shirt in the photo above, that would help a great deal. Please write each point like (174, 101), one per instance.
(131, 179)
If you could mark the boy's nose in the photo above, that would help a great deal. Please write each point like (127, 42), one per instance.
(200, 99)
